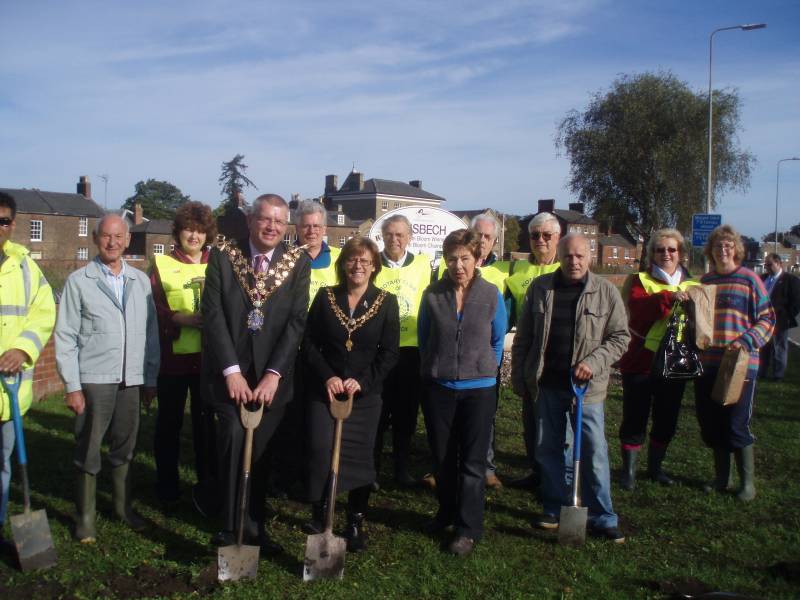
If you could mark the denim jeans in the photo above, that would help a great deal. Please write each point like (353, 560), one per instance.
(7, 444)
(552, 408)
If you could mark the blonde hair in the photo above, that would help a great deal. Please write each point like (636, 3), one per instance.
(660, 234)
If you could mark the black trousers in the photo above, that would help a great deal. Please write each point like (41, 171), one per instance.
(640, 395)
(172, 390)
(288, 448)
(230, 445)
(458, 432)
(401, 394)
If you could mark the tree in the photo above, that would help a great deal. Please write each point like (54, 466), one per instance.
(233, 181)
(510, 240)
(159, 199)
(640, 150)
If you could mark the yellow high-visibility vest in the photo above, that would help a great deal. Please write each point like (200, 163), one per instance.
(407, 283)
(495, 273)
(176, 278)
(323, 277)
(657, 330)
(524, 272)
(27, 317)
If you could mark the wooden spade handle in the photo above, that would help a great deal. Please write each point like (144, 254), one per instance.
(340, 410)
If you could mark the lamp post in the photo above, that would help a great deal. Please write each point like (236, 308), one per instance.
(748, 27)
(777, 188)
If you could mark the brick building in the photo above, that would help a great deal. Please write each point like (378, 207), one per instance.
(56, 225)
(572, 220)
(370, 199)
(617, 251)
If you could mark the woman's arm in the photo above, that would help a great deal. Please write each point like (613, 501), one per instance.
(310, 349)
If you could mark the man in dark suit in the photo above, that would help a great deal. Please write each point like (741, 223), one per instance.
(254, 312)
(784, 293)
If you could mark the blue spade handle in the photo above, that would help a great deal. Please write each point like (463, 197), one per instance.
(579, 389)
(11, 385)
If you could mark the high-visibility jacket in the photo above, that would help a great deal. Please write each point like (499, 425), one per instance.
(27, 317)
(407, 283)
(323, 277)
(523, 273)
(657, 330)
(495, 273)
(176, 279)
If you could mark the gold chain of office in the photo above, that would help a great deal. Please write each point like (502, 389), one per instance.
(349, 324)
(259, 292)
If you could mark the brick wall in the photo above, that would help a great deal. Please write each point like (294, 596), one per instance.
(45, 377)
(60, 236)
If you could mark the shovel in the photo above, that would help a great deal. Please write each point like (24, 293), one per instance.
(572, 522)
(240, 561)
(30, 530)
(324, 551)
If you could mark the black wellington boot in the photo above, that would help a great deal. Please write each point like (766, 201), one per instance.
(655, 456)
(628, 480)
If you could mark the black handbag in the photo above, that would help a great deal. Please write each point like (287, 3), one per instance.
(676, 357)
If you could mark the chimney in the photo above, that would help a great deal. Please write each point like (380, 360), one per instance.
(417, 183)
(331, 184)
(138, 214)
(546, 205)
(85, 187)
(359, 181)
(576, 206)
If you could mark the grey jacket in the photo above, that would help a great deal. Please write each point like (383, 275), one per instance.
(601, 334)
(92, 328)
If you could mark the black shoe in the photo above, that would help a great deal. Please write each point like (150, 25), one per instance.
(223, 538)
(461, 546)
(404, 479)
(529, 482)
(268, 546)
(546, 521)
(612, 534)
(354, 533)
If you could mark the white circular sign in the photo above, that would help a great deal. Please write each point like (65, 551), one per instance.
(429, 227)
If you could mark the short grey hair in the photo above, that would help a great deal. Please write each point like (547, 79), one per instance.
(574, 235)
(395, 219)
(543, 218)
(271, 199)
(486, 218)
(309, 207)
(107, 216)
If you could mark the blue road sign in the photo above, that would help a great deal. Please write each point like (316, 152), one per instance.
(702, 225)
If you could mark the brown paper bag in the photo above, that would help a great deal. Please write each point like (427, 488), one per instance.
(704, 299)
(730, 377)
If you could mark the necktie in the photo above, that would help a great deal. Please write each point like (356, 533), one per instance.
(259, 263)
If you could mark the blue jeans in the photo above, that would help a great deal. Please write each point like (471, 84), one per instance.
(7, 444)
(552, 408)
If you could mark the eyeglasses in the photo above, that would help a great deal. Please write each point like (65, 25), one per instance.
(314, 227)
(729, 246)
(663, 250)
(364, 262)
(270, 221)
(545, 235)
(6, 222)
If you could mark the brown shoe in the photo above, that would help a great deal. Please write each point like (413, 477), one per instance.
(429, 480)
(461, 546)
(492, 481)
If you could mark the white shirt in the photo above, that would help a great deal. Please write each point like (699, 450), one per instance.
(395, 264)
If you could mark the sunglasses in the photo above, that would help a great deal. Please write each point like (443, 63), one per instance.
(663, 250)
(545, 235)
(6, 222)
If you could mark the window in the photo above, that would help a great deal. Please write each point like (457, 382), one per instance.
(627, 253)
(340, 219)
(36, 231)
(288, 238)
(385, 205)
(83, 226)
(172, 247)
(591, 245)
(397, 205)
(614, 252)
(158, 248)
(585, 231)
(83, 254)
(342, 241)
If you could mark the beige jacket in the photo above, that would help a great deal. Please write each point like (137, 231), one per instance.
(601, 334)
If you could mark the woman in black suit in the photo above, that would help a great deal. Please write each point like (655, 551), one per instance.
(351, 342)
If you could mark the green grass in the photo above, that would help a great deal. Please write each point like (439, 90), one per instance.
(679, 539)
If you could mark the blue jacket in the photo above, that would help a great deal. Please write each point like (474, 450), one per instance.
(92, 329)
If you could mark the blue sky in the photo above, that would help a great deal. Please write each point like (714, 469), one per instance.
(462, 95)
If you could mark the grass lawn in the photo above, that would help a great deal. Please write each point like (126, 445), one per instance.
(680, 540)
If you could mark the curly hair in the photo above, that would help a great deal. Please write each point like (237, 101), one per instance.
(195, 216)
(725, 233)
(355, 247)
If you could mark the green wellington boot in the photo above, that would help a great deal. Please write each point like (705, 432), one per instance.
(746, 467)
(85, 507)
(722, 471)
(121, 495)
(628, 479)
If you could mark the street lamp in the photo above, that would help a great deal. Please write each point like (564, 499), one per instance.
(748, 27)
(777, 187)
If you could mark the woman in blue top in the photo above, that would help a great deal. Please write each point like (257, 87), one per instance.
(461, 326)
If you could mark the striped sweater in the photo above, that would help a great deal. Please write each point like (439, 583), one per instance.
(742, 313)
